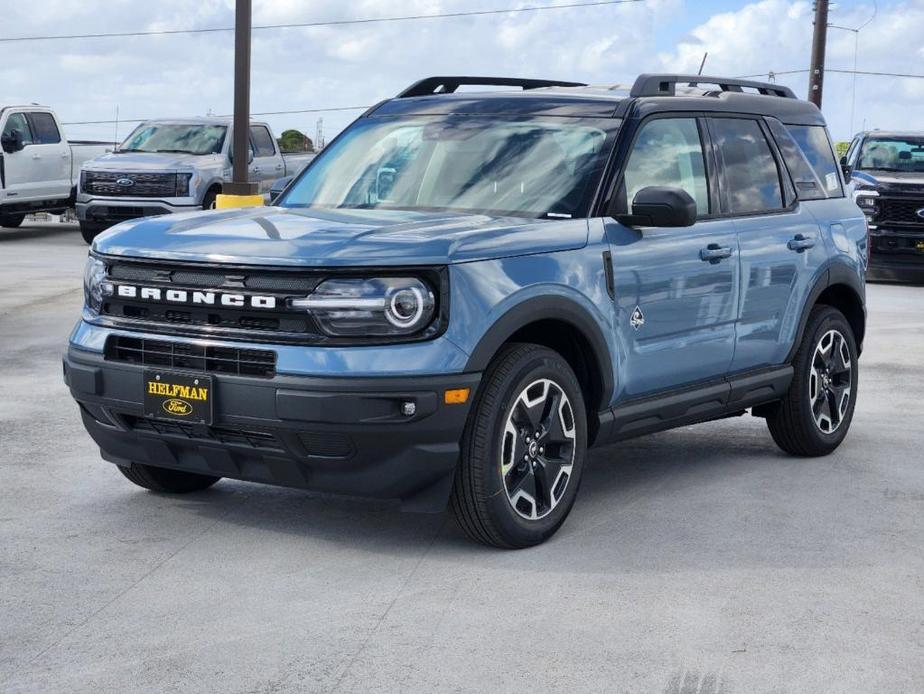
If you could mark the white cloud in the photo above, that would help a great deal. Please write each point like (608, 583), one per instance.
(360, 64)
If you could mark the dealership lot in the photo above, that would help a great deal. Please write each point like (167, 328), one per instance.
(700, 560)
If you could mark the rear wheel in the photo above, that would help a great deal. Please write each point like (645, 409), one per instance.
(11, 221)
(815, 415)
(523, 450)
(166, 481)
(90, 230)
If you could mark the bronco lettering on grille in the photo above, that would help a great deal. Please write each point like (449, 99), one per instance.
(202, 298)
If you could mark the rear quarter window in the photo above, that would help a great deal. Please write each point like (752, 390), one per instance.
(816, 147)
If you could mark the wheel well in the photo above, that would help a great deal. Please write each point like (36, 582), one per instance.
(845, 300)
(576, 349)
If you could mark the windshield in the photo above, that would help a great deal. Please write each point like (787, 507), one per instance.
(520, 167)
(176, 137)
(892, 154)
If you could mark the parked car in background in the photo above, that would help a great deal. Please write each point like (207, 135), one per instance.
(175, 165)
(465, 291)
(887, 173)
(38, 166)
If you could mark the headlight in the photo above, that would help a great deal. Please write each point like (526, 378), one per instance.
(182, 184)
(375, 307)
(95, 285)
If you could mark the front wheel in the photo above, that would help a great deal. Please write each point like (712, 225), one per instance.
(815, 415)
(11, 221)
(90, 230)
(165, 481)
(523, 450)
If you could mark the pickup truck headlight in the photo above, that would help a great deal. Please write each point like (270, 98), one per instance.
(182, 184)
(373, 307)
(95, 284)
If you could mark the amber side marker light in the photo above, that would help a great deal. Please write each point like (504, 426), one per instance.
(456, 396)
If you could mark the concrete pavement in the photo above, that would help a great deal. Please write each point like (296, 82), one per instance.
(698, 560)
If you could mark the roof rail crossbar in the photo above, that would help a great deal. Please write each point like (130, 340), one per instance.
(666, 85)
(448, 85)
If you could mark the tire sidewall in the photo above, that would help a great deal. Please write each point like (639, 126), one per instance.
(828, 319)
(541, 364)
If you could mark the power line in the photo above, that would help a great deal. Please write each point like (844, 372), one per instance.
(843, 72)
(337, 22)
(227, 115)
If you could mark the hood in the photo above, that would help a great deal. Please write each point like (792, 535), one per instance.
(153, 161)
(329, 238)
(898, 180)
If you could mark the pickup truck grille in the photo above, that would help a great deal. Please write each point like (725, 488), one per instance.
(251, 289)
(143, 185)
(901, 211)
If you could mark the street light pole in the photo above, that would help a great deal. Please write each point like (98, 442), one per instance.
(240, 192)
(819, 39)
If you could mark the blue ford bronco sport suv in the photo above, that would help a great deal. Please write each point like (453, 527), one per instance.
(466, 290)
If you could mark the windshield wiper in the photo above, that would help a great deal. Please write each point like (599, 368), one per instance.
(176, 151)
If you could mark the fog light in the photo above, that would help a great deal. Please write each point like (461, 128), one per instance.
(408, 409)
(456, 396)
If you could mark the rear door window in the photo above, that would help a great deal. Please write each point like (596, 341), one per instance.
(262, 141)
(815, 145)
(44, 128)
(750, 174)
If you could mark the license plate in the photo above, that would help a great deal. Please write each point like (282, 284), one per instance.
(180, 397)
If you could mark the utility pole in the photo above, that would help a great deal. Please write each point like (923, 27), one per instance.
(240, 192)
(819, 39)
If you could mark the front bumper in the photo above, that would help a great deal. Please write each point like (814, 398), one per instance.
(896, 255)
(338, 435)
(115, 210)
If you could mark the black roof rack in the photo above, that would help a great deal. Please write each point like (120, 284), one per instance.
(665, 85)
(447, 85)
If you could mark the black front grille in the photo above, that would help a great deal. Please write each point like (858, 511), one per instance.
(235, 437)
(258, 363)
(901, 211)
(215, 319)
(116, 184)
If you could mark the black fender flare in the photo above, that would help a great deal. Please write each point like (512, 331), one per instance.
(548, 308)
(833, 274)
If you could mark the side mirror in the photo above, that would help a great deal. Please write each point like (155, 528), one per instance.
(12, 141)
(661, 206)
(846, 168)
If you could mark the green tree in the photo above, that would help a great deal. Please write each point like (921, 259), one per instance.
(295, 141)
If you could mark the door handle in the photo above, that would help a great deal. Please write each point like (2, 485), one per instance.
(713, 253)
(256, 169)
(800, 243)
(36, 156)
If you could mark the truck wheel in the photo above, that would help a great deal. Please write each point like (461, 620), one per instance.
(208, 202)
(159, 479)
(522, 451)
(815, 415)
(11, 221)
(90, 231)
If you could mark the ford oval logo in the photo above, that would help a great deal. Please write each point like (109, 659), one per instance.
(125, 182)
(175, 406)
(920, 213)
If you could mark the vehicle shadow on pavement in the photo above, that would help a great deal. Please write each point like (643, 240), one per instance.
(39, 232)
(650, 473)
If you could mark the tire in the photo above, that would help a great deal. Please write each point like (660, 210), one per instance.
(813, 418)
(490, 497)
(208, 202)
(11, 221)
(166, 481)
(90, 231)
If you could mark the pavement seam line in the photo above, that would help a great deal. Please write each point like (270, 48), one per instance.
(398, 594)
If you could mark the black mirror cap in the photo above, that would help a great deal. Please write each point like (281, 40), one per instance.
(661, 206)
(278, 186)
(845, 167)
(12, 142)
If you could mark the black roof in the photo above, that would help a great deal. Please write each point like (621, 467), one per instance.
(650, 94)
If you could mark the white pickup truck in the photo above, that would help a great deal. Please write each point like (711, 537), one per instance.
(174, 165)
(38, 166)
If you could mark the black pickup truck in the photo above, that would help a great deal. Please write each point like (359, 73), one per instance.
(887, 171)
